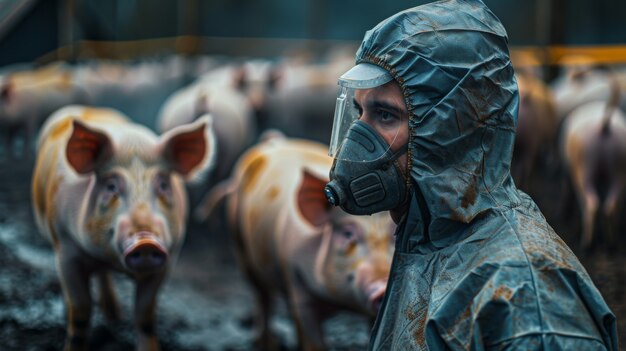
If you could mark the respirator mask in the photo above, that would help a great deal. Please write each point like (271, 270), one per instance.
(365, 177)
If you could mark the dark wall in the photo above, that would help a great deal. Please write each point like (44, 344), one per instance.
(32, 37)
(126, 19)
(594, 22)
(528, 22)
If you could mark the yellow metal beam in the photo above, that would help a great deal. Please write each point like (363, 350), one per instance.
(520, 55)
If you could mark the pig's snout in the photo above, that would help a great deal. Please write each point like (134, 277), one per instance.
(144, 252)
(371, 283)
(375, 293)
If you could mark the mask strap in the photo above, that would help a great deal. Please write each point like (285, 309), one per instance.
(390, 157)
(403, 150)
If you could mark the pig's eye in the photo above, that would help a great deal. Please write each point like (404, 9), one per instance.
(111, 186)
(163, 185)
(348, 234)
(110, 191)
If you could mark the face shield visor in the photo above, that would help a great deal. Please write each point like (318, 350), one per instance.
(363, 95)
(370, 132)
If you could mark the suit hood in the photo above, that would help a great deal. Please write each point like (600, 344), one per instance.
(452, 62)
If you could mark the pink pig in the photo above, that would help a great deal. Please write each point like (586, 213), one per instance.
(594, 152)
(28, 97)
(109, 194)
(291, 243)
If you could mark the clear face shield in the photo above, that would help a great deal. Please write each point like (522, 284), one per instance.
(345, 115)
(368, 93)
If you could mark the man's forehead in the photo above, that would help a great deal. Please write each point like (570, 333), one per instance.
(388, 94)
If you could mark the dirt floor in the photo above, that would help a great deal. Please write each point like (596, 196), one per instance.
(206, 304)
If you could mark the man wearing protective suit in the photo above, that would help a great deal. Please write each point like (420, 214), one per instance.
(424, 127)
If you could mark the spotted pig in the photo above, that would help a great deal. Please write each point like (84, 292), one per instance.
(290, 242)
(109, 195)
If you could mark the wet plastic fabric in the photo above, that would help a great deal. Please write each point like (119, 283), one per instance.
(476, 265)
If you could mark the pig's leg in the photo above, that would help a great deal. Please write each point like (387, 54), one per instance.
(308, 317)
(589, 205)
(265, 339)
(10, 142)
(29, 137)
(108, 301)
(7, 146)
(145, 308)
(609, 211)
(587, 199)
(567, 197)
(75, 283)
(528, 165)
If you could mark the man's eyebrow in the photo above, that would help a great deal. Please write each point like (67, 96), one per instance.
(381, 104)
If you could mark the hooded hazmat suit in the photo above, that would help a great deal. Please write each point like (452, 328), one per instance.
(476, 265)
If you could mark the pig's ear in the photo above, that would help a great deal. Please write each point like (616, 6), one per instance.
(87, 148)
(6, 91)
(275, 76)
(312, 202)
(189, 148)
(240, 78)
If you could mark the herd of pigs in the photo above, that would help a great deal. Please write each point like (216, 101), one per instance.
(249, 136)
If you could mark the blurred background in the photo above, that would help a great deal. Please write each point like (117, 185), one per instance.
(273, 64)
(78, 29)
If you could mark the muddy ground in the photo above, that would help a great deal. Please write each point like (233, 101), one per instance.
(206, 304)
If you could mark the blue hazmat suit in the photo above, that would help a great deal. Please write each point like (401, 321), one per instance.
(476, 265)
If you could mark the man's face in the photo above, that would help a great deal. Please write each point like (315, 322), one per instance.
(383, 108)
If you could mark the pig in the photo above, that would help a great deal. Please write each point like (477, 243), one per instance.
(232, 120)
(536, 128)
(28, 97)
(291, 243)
(109, 195)
(233, 124)
(303, 101)
(232, 113)
(253, 79)
(581, 82)
(594, 150)
(314, 106)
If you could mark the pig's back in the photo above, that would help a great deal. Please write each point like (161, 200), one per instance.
(585, 142)
(265, 204)
(586, 120)
(271, 172)
(178, 108)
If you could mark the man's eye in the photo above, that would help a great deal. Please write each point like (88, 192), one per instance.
(386, 116)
